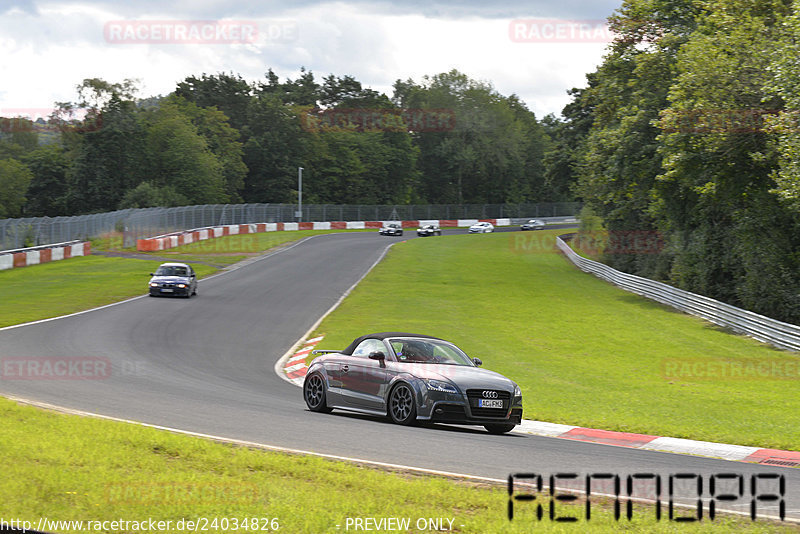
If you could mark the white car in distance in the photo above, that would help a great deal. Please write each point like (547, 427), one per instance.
(481, 228)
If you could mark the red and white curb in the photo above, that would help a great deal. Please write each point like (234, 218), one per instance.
(738, 453)
(295, 369)
(43, 254)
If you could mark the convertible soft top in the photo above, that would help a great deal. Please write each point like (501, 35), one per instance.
(382, 335)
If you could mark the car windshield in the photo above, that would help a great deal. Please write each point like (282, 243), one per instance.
(414, 350)
(171, 270)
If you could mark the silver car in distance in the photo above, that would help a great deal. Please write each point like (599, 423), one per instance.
(412, 378)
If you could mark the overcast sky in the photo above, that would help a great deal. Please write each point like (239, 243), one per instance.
(537, 49)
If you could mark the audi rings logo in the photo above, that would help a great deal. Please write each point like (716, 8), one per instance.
(489, 394)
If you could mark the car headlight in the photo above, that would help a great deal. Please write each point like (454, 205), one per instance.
(438, 385)
(153, 284)
(517, 391)
(181, 285)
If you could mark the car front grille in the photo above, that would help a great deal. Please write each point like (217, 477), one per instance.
(474, 394)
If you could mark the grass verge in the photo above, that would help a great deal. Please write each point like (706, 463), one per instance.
(70, 468)
(584, 352)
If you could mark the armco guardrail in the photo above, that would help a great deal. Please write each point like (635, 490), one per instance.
(10, 259)
(777, 333)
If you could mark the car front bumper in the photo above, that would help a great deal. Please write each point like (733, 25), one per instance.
(458, 408)
(445, 412)
(179, 291)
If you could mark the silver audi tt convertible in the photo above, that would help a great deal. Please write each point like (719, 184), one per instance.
(412, 378)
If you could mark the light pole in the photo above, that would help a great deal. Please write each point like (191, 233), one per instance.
(299, 213)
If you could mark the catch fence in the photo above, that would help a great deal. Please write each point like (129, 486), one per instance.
(147, 222)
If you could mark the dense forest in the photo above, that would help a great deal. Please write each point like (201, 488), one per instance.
(220, 139)
(689, 129)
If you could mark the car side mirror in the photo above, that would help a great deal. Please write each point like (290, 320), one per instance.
(151, 274)
(477, 361)
(377, 355)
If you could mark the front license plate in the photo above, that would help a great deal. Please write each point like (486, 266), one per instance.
(167, 290)
(490, 403)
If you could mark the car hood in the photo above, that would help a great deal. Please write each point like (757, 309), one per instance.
(170, 279)
(463, 376)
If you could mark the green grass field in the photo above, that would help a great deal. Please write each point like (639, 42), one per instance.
(584, 352)
(66, 467)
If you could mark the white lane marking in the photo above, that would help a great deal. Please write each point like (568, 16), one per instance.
(349, 459)
(70, 314)
(300, 342)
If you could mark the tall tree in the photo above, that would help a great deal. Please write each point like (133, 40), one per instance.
(229, 93)
(223, 142)
(179, 158)
(14, 180)
(47, 193)
(715, 193)
(107, 161)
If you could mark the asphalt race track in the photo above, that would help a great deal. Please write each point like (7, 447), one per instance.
(206, 365)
